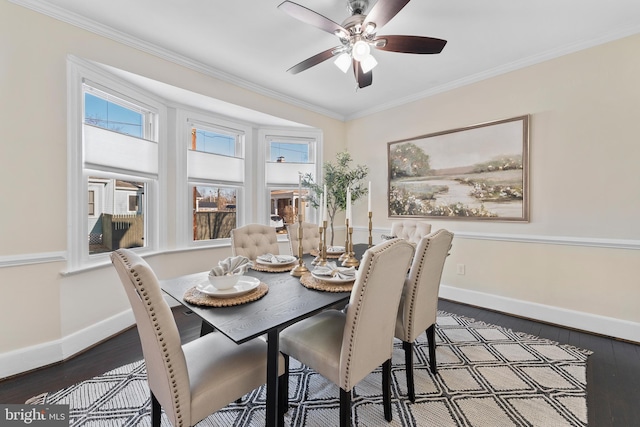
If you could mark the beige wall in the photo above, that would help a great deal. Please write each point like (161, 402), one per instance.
(584, 155)
(578, 257)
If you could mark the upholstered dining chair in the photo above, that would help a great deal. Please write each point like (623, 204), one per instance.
(253, 240)
(419, 302)
(194, 380)
(310, 237)
(410, 230)
(345, 346)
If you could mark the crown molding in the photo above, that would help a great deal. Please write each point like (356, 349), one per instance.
(503, 69)
(121, 37)
(166, 54)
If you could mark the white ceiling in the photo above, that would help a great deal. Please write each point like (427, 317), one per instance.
(253, 43)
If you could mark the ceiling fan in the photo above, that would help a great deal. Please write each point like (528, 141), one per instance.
(358, 34)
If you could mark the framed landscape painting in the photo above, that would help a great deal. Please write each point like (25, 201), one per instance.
(478, 172)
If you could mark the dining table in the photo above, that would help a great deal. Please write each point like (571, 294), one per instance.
(286, 302)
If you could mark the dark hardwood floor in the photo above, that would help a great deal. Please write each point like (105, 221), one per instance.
(613, 370)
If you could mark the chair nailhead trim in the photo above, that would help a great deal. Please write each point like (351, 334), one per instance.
(151, 310)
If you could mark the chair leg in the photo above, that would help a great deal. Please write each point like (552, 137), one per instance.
(283, 387)
(431, 337)
(156, 411)
(386, 389)
(408, 366)
(345, 408)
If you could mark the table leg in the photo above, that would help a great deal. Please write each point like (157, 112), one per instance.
(274, 417)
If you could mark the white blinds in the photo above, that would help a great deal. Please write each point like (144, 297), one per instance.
(115, 150)
(215, 167)
(287, 173)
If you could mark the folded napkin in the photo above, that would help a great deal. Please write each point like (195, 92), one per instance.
(274, 259)
(235, 265)
(332, 270)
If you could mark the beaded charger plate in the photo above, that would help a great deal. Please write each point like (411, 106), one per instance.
(196, 297)
(273, 268)
(308, 281)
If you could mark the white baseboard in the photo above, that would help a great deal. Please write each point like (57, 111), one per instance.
(37, 356)
(588, 322)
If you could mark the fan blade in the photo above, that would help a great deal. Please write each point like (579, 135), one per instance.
(383, 11)
(409, 44)
(363, 79)
(310, 17)
(314, 60)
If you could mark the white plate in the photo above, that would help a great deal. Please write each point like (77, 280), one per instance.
(335, 249)
(287, 259)
(331, 279)
(245, 285)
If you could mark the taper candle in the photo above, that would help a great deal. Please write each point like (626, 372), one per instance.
(299, 193)
(325, 214)
(349, 205)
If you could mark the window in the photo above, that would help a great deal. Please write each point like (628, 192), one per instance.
(107, 112)
(92, 203)
(215, 177)
(213, 142)
(288, 154)
(133, 203)
(297, 152)
(114, 166)
(224, 172)
(214, 212)
(120, 221)
(116, 139)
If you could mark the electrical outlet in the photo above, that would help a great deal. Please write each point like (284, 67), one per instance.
(460, 269)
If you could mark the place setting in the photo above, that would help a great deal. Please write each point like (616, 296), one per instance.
(330, 278)
(274, 263)
(226, 285)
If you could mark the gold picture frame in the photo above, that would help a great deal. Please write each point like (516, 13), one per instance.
(478, 172)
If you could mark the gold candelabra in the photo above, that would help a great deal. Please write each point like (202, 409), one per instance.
(321, 259)
(370, 229)
(350, 260)
(345, 254)
(301, 268)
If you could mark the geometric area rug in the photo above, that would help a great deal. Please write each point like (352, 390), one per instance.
(487, 376)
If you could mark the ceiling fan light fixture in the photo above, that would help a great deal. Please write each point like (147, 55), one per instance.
(370, 28)
(368, 63)
(360, 50)
(341, 33)
(343, 61)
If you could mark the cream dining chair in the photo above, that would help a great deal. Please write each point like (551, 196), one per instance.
(253, 240)
(410, 230)
(346, 346)
(194, 380)
(310, 237)
(419, 302)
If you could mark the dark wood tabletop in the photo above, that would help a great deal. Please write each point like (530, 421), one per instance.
(286, 302)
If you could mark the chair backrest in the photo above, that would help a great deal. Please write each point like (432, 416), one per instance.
(419, 303)
(410, 230)
(373, 306)
(161, 346)
(310, 237)
(253, 240)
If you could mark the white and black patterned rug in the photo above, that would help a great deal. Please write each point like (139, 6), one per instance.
(487, 376)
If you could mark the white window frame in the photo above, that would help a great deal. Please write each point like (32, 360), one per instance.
(266, 135)
(80, 71)
(187, 118)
